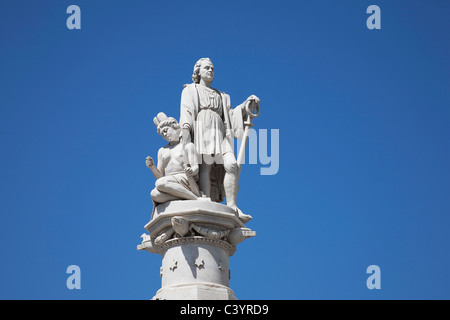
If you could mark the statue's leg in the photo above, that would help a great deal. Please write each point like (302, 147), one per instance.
(231, 179)
(204, 176)
(161, 197)
(231, 184)
(169, 185)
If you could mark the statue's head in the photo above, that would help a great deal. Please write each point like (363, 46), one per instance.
(167, 127)
(203, 68)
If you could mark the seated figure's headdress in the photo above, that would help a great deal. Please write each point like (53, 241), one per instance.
(161, 121)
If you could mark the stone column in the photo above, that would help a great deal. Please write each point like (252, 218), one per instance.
(196, 239)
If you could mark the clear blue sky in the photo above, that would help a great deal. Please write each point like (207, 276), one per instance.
(363, 117)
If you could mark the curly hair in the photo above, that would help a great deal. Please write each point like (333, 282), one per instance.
(196, 73)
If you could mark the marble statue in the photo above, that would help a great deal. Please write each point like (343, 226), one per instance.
(195, 171)
(177, 164)
(208, 120)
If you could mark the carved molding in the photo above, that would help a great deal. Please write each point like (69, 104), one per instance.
(230, 249)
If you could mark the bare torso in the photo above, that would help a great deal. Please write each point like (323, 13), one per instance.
(172, 159)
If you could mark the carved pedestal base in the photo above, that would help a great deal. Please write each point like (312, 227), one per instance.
(196, 239)
(195, 268)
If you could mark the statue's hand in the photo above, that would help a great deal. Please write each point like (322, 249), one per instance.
(251, 104)
(149, 162)
(188, 171)
(185, 135)
(254, 99)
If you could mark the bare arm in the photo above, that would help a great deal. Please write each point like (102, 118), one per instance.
(192, 156)
(151, 165)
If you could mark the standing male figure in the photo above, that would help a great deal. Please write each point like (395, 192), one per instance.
(207, 120)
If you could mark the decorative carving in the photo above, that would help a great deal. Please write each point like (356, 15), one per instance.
(200, 264)
(174, 265)
(181, 226)
(163, 237)
(210, 232)
(145, 237)
(237, 235)
(147, 244)
(195, 239)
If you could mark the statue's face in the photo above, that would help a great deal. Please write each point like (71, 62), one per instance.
(170, 134)
(207, 71)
